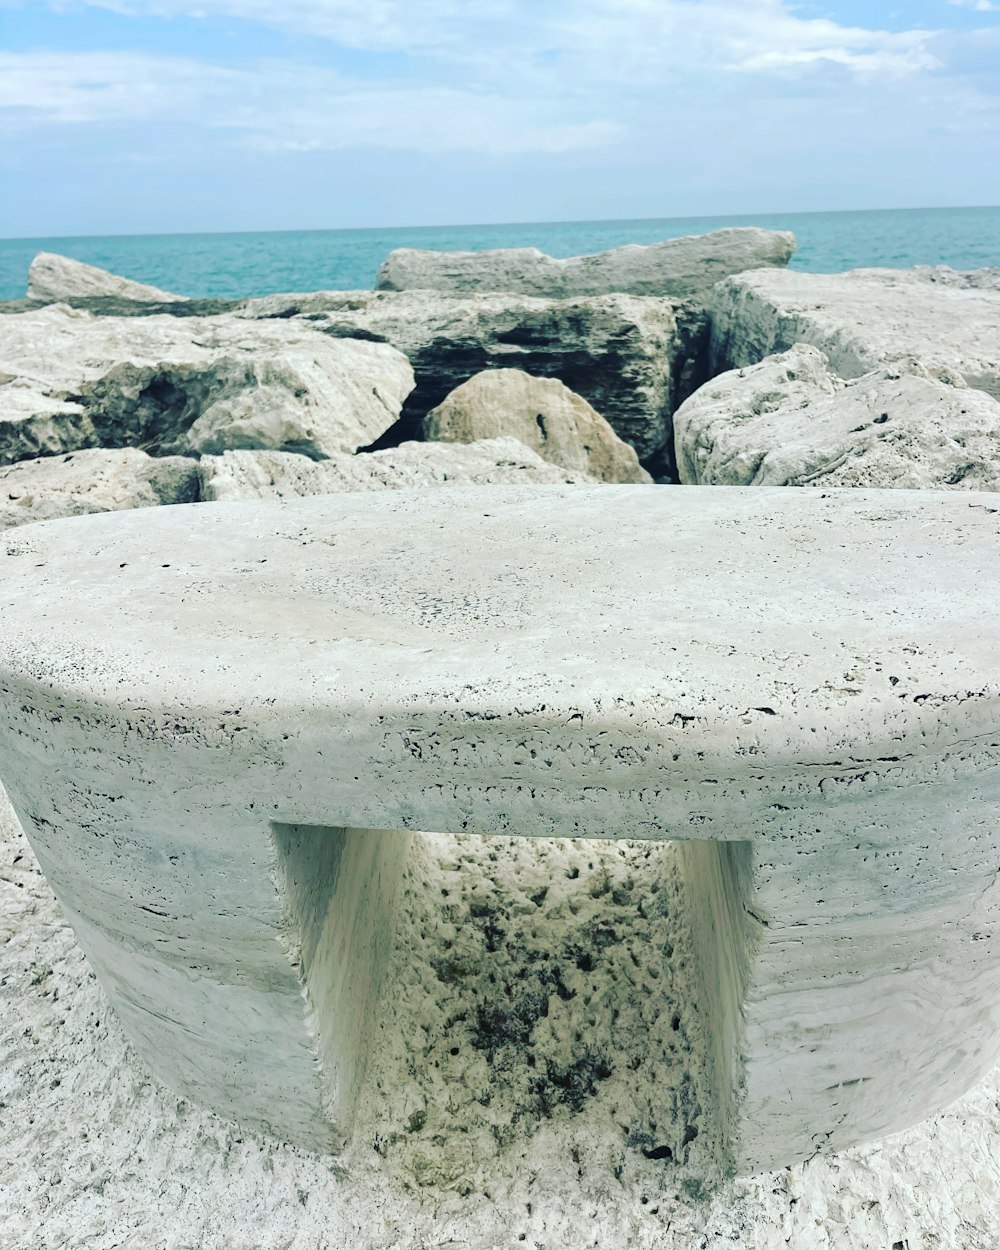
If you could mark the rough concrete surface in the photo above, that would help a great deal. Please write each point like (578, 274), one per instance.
(863, 320)
(684, 268)
(391, 662)
(541, 413)
(791, 421)
(285, 475)
(53, 278)
(69, 379)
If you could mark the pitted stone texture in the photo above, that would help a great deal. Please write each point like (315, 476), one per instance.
(863, 320)
(632, 358)
(54, 278)
(790, 421)
(541, 413)
(93, 481)
(284, 475)
(70, 380)
(394, 661)
(684, 268)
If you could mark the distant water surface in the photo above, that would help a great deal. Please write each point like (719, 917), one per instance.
(233, 265)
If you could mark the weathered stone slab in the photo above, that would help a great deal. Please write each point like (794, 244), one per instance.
(684, 268)
(790, 421)
(285, 475)
(203, 710)
(69, 380)
(863, 320)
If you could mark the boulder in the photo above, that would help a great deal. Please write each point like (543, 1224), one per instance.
(69, 380)
(685, 268)
(791, 421)
(863, 320)
(53, 278)
(284, 475)
(96, 480)
(634, 358)
(541, 413)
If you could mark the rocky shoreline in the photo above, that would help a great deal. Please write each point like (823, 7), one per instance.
(694, 362)
(711, 381)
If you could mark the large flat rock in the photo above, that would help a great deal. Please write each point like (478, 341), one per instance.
(70, 379)
(218, 722)
(684, 268)
(863, 320)
(791, 421)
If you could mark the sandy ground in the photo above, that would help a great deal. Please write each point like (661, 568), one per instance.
(537, 1081)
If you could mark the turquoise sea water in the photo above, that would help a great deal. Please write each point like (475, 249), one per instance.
(233, 265)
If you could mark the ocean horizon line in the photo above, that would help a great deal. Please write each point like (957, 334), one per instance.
(237, 263)
(500, 225)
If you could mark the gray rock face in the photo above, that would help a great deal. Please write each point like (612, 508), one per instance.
(53, 278)
(790, 421)
(632, 357)
(70, 380)
(682, 268)
(863, 320)
(284, 475)
(541, 413)
(96, 480)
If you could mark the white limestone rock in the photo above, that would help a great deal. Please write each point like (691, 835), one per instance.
(196, 384)
(96, 480)
(790, 421)
(285, 475)
(53, 278)
(632, 357)
(36, 422)
(541, 413)
(684, 268)
(863, 320)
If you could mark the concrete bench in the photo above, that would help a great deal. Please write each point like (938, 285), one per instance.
(218, 722)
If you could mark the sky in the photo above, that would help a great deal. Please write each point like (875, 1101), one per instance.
(146, 116)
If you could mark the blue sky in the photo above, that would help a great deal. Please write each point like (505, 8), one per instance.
(132, 116)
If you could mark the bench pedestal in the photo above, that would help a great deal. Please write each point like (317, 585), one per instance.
(220, 723)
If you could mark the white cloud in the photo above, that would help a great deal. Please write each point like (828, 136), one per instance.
(978, 6)
(609, 39)
(497, 77)
(279, 106)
